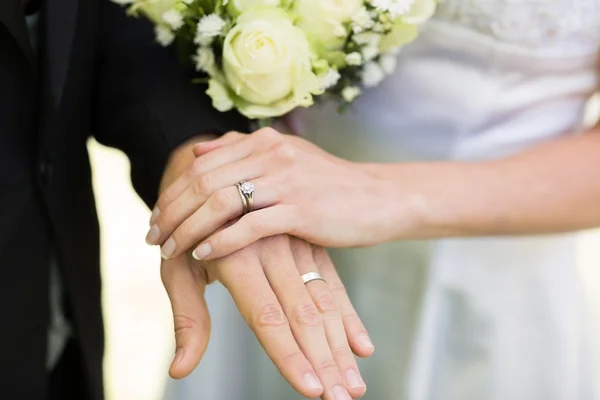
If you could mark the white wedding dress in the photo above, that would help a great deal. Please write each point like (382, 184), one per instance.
(458, 319)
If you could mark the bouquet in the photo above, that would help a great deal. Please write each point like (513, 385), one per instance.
(267, 57)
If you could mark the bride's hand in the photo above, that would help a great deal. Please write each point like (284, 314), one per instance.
(299, 189)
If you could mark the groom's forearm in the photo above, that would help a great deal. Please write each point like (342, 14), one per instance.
(552, 188)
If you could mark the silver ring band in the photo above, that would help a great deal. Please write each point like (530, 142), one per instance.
(312, 276)
(246, 190)
(244, 200)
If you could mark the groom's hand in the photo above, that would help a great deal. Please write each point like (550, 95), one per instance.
(309, 331)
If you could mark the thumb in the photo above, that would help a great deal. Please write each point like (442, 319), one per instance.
(185, 282)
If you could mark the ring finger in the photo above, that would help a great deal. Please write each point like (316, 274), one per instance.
(199, 191)
(221, 207)
(303, 316)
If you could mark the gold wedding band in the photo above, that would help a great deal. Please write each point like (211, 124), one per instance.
(312, 276)
(246, 190)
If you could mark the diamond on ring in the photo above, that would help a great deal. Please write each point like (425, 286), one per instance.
(247, 187)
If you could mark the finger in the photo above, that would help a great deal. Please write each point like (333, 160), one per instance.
(220, 208)
(355, 330)
(251, 227)
(245, 279)
(327, 306)
(198, 167)
(237, 150)
(200, 190)
(185, 284)
(303, 316)
(205, 147)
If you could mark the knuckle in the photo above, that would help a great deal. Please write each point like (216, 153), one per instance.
(325, 303)
(341, 352)
(269, 316)
(182, 324)
(327, 366)
(292, 359)
(202, 185)
(306, 314)
(185, 230)
(284, 152)
(338, 288)
(267, 135)
(221, 202)
(197, 167)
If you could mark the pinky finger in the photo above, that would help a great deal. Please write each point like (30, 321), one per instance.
(205, 147)
(254, 226)
(356, 332)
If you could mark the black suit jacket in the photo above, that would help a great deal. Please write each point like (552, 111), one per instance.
(97, 73)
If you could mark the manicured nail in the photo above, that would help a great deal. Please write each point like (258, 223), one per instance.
(312, 382)
(202, 251)
(155, 214)
(167, 250)
(364, 341)
(178, 357)
(153, 235)
(339, 393)
(353, 379)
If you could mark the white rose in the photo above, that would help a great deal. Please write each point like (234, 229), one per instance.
(236, 7)
(267, 63)
(322, 19)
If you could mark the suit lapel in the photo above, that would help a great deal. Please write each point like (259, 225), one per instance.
(11, 15)
(61, 18)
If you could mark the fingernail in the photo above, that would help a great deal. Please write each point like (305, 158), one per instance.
(178, 357)
(202, 251)
(167, 250)
(155, 214)
(353, 379)
(339, 393)
(153, 235)
(312, 382)
(364, 341)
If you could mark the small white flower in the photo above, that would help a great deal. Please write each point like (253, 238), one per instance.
(188, 2)
(173, 18)
(370, 39)
(388, 63)
(370, 52)
(340, 31)
(164, 35)
(379, 27)
(400, 7)
(382, 5)
(372, 74)
(362, 21)
(219, 95)
(204, 59)
(329, 79)
(209, 27)
(350, 93)
(354, 58)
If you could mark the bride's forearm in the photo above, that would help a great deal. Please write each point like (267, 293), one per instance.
(554, 187)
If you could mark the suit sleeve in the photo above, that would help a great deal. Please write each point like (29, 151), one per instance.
(144, 102)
